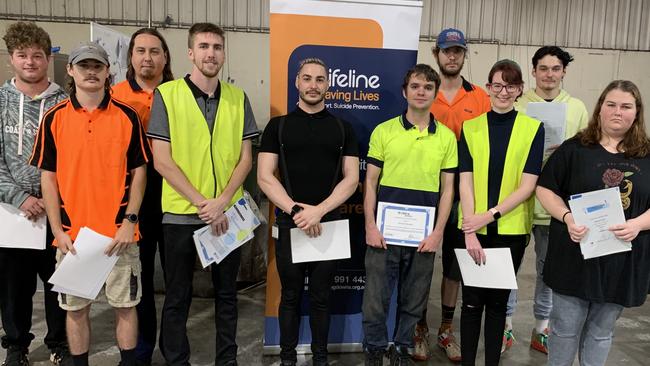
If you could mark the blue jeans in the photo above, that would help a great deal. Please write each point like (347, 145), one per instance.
(543, 294)
(384, 267)
(583, 327)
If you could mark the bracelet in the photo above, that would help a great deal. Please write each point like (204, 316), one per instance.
(563, 216)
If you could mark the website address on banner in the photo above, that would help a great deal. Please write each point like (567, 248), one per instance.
(370, 107)
(348, 287)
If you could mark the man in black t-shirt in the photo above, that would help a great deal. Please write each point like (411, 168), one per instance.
(319, 169)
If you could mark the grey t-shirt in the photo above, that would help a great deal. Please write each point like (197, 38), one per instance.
(208, 104)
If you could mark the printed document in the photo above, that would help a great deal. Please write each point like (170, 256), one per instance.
(332, 243)
(85, 273)
(17, 231)
(242, 221)
(598, 210)
(497, 272)
(405, 225)
(553, 116)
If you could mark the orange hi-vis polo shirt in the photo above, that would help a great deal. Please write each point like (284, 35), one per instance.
(129, 92)
(470, 101)
(92, 154)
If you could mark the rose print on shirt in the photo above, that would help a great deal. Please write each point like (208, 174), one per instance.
(617, 178)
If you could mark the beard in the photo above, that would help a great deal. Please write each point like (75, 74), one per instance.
(303, 97)
(451, 73)
(147, 74)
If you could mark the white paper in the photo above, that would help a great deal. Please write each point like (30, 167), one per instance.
(17, 231)
(405, 225)
(332, 243)
(242, 221)
(553, 115)
(83, 274)
(598, 210)
(497, 272)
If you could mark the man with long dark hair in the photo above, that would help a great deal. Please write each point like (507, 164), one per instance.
(149, 66)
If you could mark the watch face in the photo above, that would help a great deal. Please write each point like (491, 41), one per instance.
(132, 218)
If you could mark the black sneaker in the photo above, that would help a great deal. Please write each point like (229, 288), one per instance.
(60, 356)
(16, 356)
(374, 358)
(400, 356)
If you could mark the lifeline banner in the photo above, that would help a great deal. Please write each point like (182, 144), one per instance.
(368, 46)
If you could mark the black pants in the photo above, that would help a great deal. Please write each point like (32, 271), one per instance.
(493, 301)
(18, 271)
(180, 255)
(292, 279)
(152, 239)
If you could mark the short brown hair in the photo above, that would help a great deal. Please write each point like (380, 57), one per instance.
(312, 61)
(27, 34)
(635, 143)
(425, 70)
(204, 28)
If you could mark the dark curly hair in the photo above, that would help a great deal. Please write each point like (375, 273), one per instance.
(27, 34)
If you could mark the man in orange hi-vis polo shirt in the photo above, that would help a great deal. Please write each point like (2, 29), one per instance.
(149, 66)
(457, 101)
(92, 152)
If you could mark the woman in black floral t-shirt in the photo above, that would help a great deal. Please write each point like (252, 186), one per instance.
(589, 295)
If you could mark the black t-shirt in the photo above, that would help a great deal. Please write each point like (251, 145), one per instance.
(311, 147)
(622, 278)
(499, 132)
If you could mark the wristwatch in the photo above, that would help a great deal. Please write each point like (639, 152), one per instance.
(295, 209)
(133, 218)
(495, 213)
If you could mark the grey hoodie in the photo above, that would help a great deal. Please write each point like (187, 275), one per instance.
(20, 116)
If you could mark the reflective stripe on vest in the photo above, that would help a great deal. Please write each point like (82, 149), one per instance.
(207, 160)
(520, 219)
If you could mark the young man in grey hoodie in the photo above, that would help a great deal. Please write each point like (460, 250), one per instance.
(23, 101)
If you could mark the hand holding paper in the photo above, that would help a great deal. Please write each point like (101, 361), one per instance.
(498, 270)
(599, 211)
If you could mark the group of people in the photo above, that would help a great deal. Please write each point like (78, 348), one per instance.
(152, 159)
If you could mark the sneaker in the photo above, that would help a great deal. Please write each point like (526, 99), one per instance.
(539, 341)
(447, 342)
(508, 340)
(16, 356)
(374, 358)
(399, 357)
(421, 341)
(60, 356)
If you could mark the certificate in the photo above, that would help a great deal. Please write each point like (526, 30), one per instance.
(405, 225)
(332, 243)
(497, 272)
(553, 116)
(16, 231)
(598, 210)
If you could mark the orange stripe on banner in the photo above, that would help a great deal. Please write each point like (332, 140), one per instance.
(289, 32)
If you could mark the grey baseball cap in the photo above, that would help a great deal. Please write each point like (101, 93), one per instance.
(88, 51)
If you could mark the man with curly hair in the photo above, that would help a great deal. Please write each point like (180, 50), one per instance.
(23, 101)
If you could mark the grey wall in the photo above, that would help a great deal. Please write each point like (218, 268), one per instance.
(247, 63)
(606, 24)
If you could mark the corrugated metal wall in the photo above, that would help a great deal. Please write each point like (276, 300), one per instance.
(607, 24)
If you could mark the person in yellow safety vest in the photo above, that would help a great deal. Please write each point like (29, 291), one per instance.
(203, 157)
(498, 174)
(549, 67)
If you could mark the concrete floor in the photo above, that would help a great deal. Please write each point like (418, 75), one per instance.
(631, 345)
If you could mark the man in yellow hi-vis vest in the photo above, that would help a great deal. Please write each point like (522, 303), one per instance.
(200, 129)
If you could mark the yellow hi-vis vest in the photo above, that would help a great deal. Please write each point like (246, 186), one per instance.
(207, 160)
(520, 219)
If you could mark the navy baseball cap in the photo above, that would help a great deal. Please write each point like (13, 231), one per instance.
(451, 37)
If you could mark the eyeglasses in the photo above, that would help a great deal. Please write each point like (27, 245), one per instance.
(510, 88)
